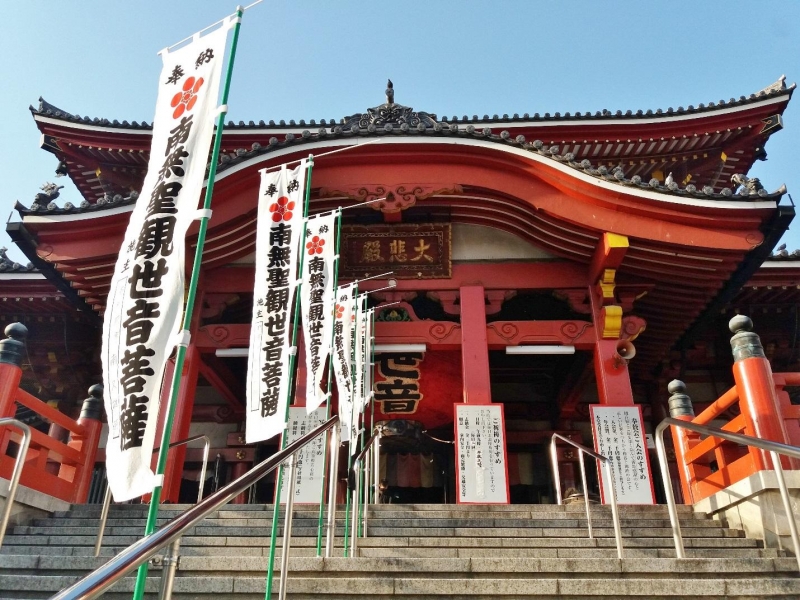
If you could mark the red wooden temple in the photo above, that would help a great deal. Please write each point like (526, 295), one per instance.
(580, 231)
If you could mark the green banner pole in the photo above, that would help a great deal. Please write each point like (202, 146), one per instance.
(155, 498)
(330, 388)
(292, 374)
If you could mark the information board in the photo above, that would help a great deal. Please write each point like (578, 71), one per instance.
(619, 435)
(481, 454)
(310, 460)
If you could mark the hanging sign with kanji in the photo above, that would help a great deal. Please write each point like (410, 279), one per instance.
(280, 229)
(396, 388)
(409, 251)
(316, 300)
(343, 320)
(145, 300)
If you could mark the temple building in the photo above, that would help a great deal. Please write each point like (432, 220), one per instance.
(543, 262)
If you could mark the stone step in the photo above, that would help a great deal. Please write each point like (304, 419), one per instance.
(380, 521)
(389, 531)
(301, 588)
(333, 568)
(174, 509)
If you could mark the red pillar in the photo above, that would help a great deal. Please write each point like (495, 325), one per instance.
(239, 469)
(611, 373)
(90, 420)
(182, 421)
(474, 347)
(11, 351)
(758, 399)
(680, 408)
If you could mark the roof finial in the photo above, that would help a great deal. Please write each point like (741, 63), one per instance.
(390, 92)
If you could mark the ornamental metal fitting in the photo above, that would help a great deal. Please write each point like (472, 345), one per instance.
(93, 405)
(680, 404)
(744, 343)
(13, 347)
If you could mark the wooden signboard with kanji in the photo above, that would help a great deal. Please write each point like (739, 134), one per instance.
(410, 251)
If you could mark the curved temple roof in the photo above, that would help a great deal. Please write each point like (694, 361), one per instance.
(704, 145)
(778, 88)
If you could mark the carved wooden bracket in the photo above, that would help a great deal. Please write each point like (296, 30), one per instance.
(632, 327)
(578, 299)
(513, 333)
(397, 197)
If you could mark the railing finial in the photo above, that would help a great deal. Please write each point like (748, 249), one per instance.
(12, 348)
(680, 404)
(744, 343)
(93, 405)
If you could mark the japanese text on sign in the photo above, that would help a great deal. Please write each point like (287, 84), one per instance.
(480, 454)
(618, 435)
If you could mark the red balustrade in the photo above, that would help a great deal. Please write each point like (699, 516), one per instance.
(74, 459)
(765, 411)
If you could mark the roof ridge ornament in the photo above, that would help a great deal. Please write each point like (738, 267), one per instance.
(389, 115)
(778, 86)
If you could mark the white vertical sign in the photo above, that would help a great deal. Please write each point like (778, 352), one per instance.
(316, 300)
(280, 230)
(310, 474)
(145, 300)
(481, 454)
(342, 358)
(619, 436)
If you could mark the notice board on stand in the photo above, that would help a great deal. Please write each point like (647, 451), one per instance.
(310, 459)
(619, 436)
(481, 454)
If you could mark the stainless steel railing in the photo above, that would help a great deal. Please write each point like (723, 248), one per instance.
(19, 462)
(99, 580)
(107, 497)
(774, 448)
(374, 445)
(609, 472)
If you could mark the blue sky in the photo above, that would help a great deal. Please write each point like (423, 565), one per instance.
(309, 59)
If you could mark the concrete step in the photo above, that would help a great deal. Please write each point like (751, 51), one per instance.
(331, 568)
(542, 588)
(379, 518)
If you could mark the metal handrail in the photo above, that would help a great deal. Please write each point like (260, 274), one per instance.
(609, 472)
(99, 580)
(107, 497)
(774, 448)
(19, 462)
(373, 441)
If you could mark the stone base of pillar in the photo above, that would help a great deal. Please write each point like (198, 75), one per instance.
(754, 505)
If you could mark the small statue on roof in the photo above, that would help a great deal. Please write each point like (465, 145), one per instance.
(751, 184)
(390, 92)
(48, 194)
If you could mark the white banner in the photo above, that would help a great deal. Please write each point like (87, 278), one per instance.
(310, 476)
(369, 366)
(280, 229)
(361, 353)
(145, 300)
(342, 353)
(316, 300)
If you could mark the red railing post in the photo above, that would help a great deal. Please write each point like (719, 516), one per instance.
(11, 352)
(758, 400)
(86, 443)
(680, 407)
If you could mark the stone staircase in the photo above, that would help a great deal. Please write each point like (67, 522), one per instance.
(420, 552)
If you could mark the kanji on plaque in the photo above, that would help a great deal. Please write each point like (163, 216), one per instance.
(410, 251)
